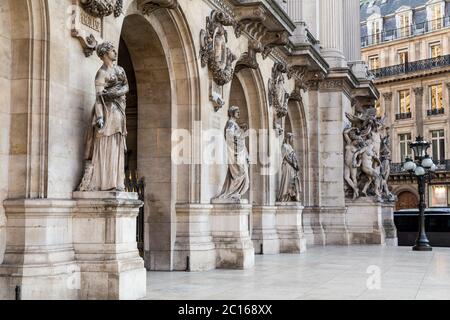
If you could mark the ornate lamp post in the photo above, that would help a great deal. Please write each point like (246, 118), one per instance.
(422, 167)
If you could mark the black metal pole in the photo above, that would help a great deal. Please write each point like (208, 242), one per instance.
(422, 243)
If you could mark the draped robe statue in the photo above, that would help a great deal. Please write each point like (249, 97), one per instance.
(237, 181)
(106, 138)
(290, 187)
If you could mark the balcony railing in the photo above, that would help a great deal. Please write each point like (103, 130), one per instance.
(402, 116)
(405, 32)
(420, 65)
(435, 111)
(442, 165)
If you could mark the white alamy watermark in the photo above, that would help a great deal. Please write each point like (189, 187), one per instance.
(374, 280)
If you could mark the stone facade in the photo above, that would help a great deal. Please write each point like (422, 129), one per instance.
(187, 62)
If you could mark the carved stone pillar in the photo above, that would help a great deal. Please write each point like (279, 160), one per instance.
(332, 31)
(418, 94)
(352, 31)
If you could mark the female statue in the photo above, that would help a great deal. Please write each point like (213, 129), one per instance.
(290, 186)
(106, 140)
(237, 181)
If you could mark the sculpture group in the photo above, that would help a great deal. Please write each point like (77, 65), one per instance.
(367, 157)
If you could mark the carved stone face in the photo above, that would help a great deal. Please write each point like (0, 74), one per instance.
(111, 55)
(237, 114)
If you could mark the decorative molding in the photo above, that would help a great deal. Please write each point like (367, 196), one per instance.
(272, 40)
(88, 42)
(418, 91)
(331, 84)
(387, 96)
(248, 59)
(87, 28)
(214, 52)
(102, 8)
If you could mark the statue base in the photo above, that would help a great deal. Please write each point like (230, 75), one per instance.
(231, 235)
(264, 236)
(333, 220)
(194, 248)
(290, 227)
(104, 225)
(365, 221)
(388, 224)
(39, 252)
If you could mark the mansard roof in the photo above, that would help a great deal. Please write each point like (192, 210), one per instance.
(387, 7)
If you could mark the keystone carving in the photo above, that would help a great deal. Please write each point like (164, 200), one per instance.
(150, 6)
(248, 59)
(102, 8)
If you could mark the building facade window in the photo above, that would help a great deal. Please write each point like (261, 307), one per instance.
(438, 196)
(374, 62)
(405, 150)
(404, 23)
(435, 16)
(374, 30)
(403, 56)
(438, 145)
(436, 97)
(435, 50)
(404, 101)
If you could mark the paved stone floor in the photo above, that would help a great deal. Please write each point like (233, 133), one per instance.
(321, 273)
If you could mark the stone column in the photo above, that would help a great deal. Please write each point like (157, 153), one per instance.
(389, 113)
(104, 225)
(294, 10)
(194, 248)
(332, 32)
(313, 231)
(418, 94)
(264, 236)
(39, 258)
(352, 30)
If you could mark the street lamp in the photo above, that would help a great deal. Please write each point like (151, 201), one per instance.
(422, 167)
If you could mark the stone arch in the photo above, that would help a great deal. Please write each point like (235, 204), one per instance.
(162, 54)
(296, 121)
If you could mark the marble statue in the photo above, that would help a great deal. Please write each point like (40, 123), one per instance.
(290, 186)
(366, 156)
(237, 181)
(106, 138)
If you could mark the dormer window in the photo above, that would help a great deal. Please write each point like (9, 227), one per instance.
(435, 14)
(374, 28)
(404, 20)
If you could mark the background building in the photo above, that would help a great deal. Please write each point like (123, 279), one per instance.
(406, 44)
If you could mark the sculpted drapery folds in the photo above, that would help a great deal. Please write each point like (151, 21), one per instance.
(290, 187)
(367, 156)
(278, 95)
(106, 137)
(237, 181)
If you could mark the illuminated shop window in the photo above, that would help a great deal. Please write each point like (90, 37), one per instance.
(438, 196)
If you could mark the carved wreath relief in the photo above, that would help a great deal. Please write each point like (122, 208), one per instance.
(278, 95)
(214, 52)
(102, 8)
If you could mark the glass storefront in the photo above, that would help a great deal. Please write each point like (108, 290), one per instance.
(438, 195)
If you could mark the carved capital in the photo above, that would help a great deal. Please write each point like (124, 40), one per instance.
(418, 91)
(387, 96)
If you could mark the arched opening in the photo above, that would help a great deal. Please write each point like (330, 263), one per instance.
(406, 200)
(149, 122)
(296, 123)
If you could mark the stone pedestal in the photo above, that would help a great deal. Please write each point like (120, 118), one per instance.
(365, 222)
(333, 221)
(312, 228)
(290, 227)
(194, 248)
(231, 235)
(389, 225)
(264, 235)
(39, 257)
(104, 229)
